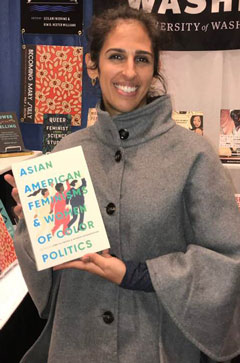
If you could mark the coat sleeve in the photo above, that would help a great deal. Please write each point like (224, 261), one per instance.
(200, 288)
(39, 283)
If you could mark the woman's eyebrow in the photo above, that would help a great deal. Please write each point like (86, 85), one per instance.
(144, 52)
(120, 50)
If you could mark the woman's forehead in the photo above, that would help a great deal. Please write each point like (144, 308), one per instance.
(128, 33)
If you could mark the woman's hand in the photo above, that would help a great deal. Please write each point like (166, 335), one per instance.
(18, 209)
(104, 265)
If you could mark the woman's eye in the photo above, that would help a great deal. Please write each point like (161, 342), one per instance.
(116, 57)
(141, 59)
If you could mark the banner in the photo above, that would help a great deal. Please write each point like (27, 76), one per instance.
(52, 17)
(190, 25)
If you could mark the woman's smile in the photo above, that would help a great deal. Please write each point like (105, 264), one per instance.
(126, 90)
(125, 67)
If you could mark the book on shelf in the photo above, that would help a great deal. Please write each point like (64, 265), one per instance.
(191, 120)
(60, 207)
(6, 219)
(237, 197)
(229, 141)
(11, 142)
(55, 127)
(8, 256)
(230, 159)
(51, 82)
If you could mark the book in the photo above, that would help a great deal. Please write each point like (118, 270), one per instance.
(190, 120)
(230, 159)
(237, 197)
(8, 256)
(51, 82)
(6, 219)
(92, 117)
(229, 141)
(60, 207)
(52, 17)
(55, 127)
(11, 142)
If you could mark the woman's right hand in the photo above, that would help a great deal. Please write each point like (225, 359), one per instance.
(18, 208)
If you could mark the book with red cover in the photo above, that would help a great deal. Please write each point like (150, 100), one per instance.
(51, 82)
(8, 256)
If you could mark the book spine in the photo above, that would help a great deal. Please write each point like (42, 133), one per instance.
(230, 161)
(28, 74)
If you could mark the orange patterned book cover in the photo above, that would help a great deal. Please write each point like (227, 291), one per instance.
(51, 82)
(7, 252)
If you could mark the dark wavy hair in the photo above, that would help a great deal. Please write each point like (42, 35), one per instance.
(235, 115)
(192, 119)
(104, 23)
(58, 187)
(43, 191)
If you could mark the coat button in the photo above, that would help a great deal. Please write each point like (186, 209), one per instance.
(124, 133)
(111, 208)
(118, 156)
(108, 317)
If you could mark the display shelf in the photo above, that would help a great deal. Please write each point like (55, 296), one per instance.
(12, 291)
(6, 163)
(231, 166)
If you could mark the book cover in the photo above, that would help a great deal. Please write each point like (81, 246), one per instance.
(11, 141)
(92, 117)
(6, 219)
(55, 127)
(237, 196)
(60, 207)
(229, 142)
(8, 256)
(51, 82)
(190, 120)
(52, 17)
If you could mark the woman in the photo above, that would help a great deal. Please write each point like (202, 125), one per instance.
(172, 292)
(197, 124)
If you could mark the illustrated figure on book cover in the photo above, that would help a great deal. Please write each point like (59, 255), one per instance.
(76, 200)
(58, 206)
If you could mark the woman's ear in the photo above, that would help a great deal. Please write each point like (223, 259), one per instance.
(92, 72)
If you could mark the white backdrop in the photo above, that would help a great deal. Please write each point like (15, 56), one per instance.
(205, 81)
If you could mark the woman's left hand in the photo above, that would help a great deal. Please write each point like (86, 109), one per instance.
(104, 265)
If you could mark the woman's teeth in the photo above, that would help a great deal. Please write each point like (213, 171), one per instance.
(126, 89)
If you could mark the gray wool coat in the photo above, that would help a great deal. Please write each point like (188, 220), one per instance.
(175, 209)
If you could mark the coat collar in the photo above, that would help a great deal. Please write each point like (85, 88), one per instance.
(140, 125)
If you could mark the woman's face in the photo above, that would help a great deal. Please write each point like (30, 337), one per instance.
(197, 121)
(46, 194)
(125, 67)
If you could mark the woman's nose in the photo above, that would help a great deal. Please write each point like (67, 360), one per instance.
(129, 70)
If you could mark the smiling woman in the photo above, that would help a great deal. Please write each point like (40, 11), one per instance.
(125, 24)
(172, 293)
(126, 66)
